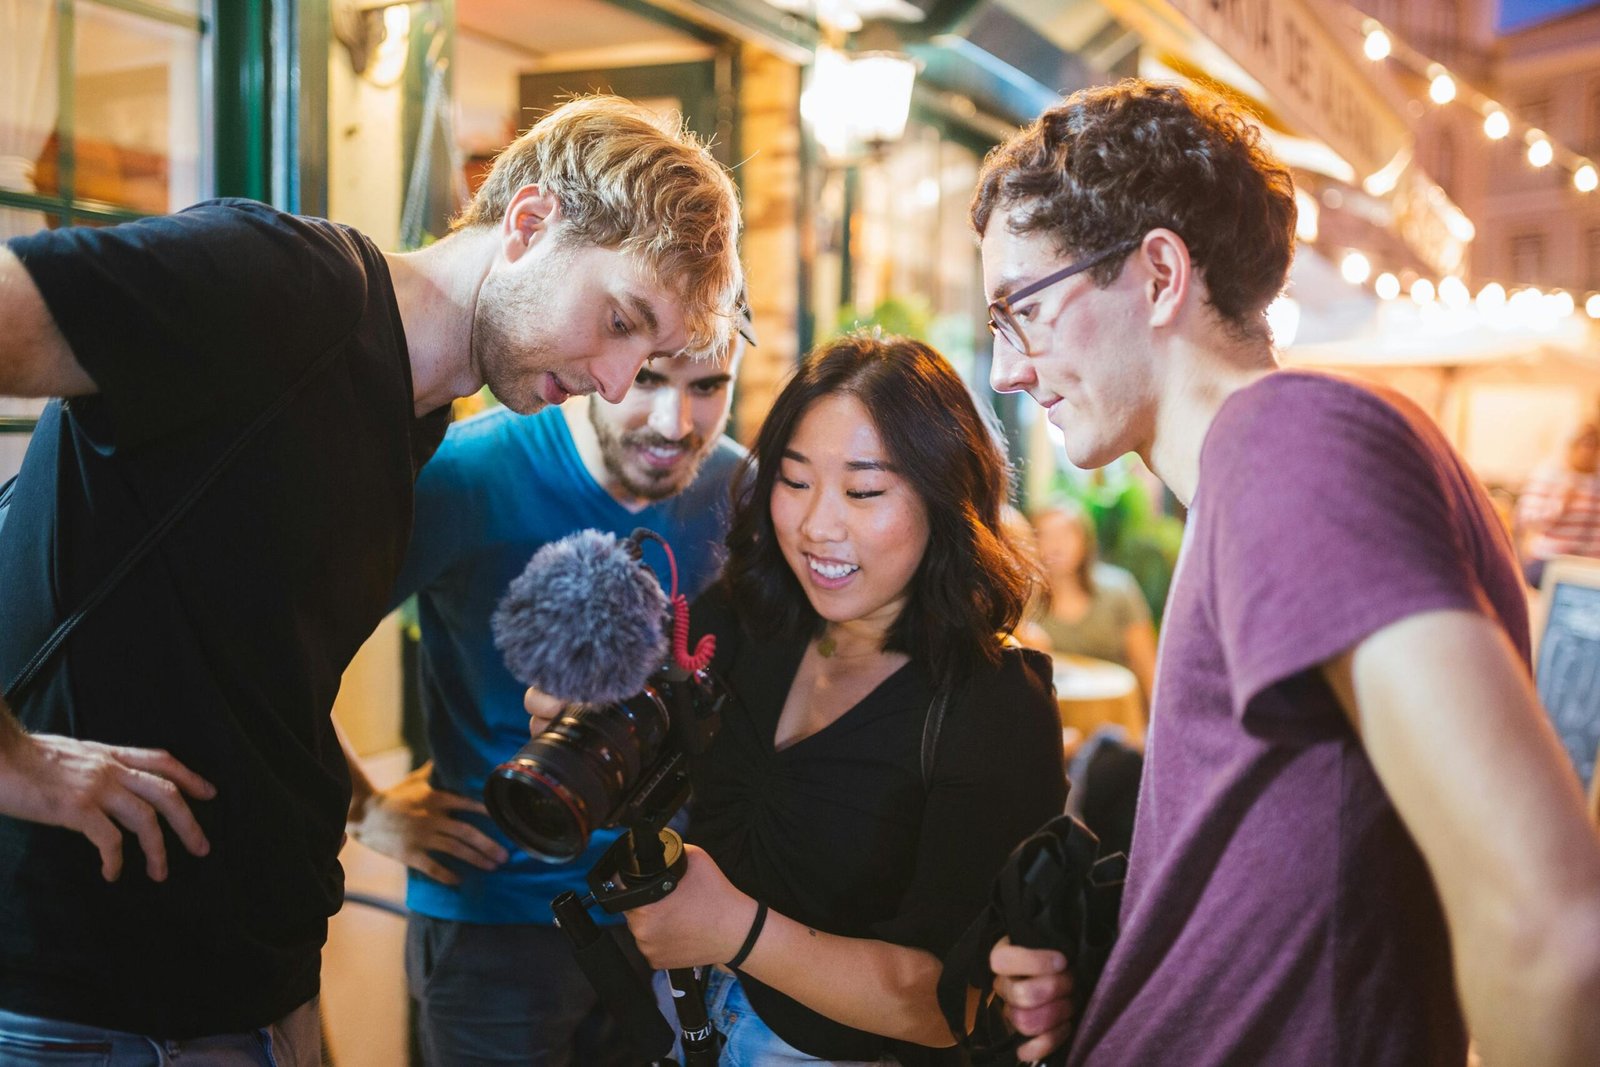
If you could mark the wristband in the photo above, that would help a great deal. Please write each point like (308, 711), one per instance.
(750, 938)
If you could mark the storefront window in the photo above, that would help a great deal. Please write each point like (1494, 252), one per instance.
(103, 118)
(102, 111)
(895, 249)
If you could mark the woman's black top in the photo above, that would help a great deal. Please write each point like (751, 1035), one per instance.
(840, 832)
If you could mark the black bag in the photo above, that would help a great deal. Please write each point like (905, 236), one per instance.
(1055, 891)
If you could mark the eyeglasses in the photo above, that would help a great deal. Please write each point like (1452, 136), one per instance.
(1003, 321)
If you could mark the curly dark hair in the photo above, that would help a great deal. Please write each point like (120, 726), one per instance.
(1107, 165)
(972, 584)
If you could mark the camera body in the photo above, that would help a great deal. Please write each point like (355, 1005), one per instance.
(602, 765)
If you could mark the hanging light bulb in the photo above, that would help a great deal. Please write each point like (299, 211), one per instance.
(1539, 151)
(1491, 297)
(1377, 45)
(1496, 124)
(1453, 293)
(1591, 306)
(1355, 267)
(1387, 286)
(1584, 179)
(1441, 87)
(1422, 291)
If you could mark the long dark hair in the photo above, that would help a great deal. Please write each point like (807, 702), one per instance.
(973, 583)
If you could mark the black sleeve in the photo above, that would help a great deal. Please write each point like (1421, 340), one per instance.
(212, 311)
(997, 776)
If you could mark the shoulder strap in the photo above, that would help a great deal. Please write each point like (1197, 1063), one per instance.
(930, 732)
(153, 536)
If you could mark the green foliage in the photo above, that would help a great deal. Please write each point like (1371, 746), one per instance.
(903, 316)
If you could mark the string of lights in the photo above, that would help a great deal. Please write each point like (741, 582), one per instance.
(1495, 304)
(1444, 87)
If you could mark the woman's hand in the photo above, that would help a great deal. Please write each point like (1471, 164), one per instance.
(1037, 989)
(702, 921)
(542, 709)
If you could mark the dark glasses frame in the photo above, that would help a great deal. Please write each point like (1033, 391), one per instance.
(1003, 322)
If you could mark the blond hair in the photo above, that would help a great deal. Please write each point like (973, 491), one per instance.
(626, 180)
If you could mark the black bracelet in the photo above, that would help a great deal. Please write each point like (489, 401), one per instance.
(750, 938)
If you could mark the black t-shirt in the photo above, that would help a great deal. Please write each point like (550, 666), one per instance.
(840, 831)
(226, 645)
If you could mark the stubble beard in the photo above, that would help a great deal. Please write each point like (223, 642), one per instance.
(510, 366)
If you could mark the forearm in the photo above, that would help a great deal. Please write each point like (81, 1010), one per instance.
(361, 788)
(870, 985)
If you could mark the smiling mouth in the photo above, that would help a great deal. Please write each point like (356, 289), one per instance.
(831, 571)
(662, 456)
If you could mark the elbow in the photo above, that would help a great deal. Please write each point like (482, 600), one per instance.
(1561, 955)
(915, 980)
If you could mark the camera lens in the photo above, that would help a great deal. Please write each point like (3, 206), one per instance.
(576, 776)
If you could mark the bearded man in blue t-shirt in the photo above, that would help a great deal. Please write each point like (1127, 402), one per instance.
(493, 977)
(1357, 836)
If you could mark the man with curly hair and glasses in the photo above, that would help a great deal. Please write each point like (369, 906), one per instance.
(1357, 837)
(172, 793)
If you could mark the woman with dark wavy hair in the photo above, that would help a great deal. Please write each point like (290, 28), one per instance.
(885, 749)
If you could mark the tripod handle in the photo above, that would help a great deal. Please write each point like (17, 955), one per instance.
(624, 992)
(689, 998)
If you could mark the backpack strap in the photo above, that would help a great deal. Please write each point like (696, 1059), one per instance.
(152, 537)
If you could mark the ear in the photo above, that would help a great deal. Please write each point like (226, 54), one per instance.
(1169, 275)
(528, 219)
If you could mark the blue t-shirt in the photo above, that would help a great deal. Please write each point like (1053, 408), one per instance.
(500, 487)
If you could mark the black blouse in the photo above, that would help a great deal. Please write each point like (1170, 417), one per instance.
(840, 832)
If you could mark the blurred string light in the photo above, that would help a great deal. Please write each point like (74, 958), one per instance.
(1444, 88)
(1523, 306)
(1355, 267)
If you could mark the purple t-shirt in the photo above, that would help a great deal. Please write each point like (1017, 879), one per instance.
(1277, 912)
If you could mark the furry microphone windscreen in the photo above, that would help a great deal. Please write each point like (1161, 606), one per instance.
(584, 622)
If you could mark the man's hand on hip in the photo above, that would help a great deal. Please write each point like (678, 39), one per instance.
(101, 790)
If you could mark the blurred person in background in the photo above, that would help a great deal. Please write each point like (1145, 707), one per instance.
(1558, 510)
(1090, 608)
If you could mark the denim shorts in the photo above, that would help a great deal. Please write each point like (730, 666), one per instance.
(29, 1041)
(746, 1040)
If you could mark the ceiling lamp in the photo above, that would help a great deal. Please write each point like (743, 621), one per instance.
(857, 99)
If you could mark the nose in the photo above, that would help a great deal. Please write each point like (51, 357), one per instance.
(1010, 371)
(614, 373)
(670, 414)
(823, 521)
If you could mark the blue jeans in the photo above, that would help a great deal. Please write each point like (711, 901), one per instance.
(746, 1040)
(508, 995)
(28, 1041)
